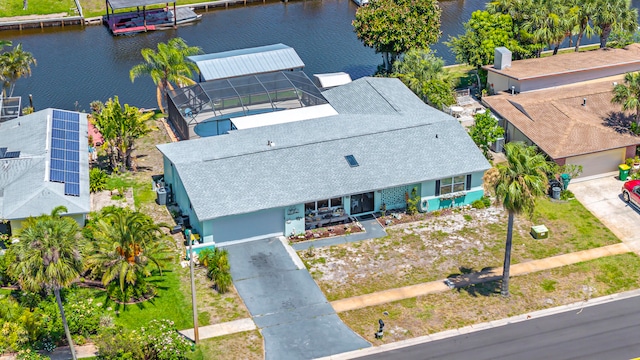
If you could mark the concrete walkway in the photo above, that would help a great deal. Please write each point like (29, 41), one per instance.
(386, 296)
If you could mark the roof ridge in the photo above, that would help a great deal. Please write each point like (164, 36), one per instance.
(322, 141)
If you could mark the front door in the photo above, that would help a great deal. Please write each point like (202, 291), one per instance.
(361, 203)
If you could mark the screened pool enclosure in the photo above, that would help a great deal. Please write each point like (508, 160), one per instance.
(208, 108)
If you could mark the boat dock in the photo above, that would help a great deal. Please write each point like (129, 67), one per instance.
(150, 20)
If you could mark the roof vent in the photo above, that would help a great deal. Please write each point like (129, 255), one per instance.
(270, 143)
(352, 161)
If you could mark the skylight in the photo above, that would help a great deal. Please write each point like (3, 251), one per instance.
(352, 161)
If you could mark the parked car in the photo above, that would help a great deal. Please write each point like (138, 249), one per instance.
(631, 192)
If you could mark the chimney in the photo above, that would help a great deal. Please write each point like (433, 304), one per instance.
(584, 101)
(502, 58)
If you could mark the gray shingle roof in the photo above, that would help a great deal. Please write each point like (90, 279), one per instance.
(25, 189)
(370, 95)
(238, 173)
(250, 61)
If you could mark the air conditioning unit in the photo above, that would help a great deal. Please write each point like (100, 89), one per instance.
(497, 145)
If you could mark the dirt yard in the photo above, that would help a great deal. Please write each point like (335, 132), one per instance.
(449, 244)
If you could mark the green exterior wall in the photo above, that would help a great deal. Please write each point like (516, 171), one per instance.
(431, 202)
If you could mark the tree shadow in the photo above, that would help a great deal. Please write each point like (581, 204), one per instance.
(484, 282)
(619, 122)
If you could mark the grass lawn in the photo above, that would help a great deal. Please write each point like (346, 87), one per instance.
(174, 297)
(169, 303)
(39, 7)
(480, 303)
(246, 345)
(97, 7)
(444, 245)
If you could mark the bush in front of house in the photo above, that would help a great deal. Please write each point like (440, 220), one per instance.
(218, 269)
(157, 340)
(97, 180)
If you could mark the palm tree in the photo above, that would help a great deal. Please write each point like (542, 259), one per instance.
(547, 22)
(47, 257)
(4, 43)
(517, 183)
(15, 64)
(126, 244)
(586, 9)
(612, 14)
(167, 65)
(628, 94)
(425, 74)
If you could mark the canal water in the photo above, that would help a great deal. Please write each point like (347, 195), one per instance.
(77, 65)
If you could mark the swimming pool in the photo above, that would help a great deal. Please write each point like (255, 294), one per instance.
(220, 125)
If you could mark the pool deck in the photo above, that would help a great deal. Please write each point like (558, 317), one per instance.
(220, 115)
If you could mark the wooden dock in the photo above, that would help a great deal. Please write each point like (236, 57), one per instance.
(63, 19)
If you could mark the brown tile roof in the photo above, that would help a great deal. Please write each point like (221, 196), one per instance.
(559, 124)
(571, 62)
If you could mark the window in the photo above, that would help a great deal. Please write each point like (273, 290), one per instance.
(323, 204)
(317, 205)
(309, 207)
(451, 185)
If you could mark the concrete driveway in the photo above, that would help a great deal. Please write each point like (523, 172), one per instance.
(294, 317)
(604, 199)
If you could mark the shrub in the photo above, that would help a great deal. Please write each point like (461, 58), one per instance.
(217, 262)
(29, 354)
(13, 337)
(478, 204)
(566, 195)
(412, 201)
(140, 290)
(487, 201)
(83, 315)
(97, 180)
(162, 341)
(115, 344)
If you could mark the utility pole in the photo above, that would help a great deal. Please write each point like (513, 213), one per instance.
(196, 337)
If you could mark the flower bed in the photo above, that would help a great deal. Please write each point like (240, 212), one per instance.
(328, 231)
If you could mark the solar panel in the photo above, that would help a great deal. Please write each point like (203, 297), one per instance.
(65, 151)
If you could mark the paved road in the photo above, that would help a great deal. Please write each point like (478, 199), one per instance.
(608, 331)
(295, 318)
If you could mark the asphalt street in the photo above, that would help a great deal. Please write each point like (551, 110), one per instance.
(608, 331)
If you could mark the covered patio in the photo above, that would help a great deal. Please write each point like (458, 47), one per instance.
(209, 108)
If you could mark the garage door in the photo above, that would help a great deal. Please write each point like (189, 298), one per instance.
(598, 163)
(257, 225)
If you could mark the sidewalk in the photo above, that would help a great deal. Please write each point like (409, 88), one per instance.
(386, 296)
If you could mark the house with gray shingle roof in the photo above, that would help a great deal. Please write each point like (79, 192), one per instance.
(283, 178)
(26, 162)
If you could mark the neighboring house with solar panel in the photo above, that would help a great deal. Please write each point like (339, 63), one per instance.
(369, 143)
(44, 164)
